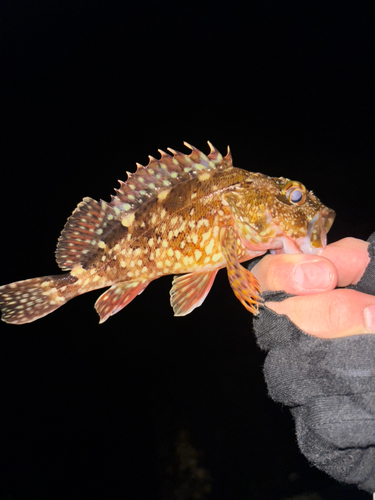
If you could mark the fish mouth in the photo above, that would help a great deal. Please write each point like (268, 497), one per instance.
(316, 238)
(318, 228)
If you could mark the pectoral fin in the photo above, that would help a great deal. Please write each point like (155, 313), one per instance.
(117, 297)
(245, 286)
(189, 291)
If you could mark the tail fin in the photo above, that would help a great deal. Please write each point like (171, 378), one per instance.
(26, 301)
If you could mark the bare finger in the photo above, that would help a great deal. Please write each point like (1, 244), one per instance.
(336, 313)
(296, 274)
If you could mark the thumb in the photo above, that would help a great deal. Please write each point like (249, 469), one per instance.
(336, 313)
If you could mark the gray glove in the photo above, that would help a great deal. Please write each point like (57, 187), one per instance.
(330, 387)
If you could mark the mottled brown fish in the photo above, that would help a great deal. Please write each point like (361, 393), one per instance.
(189, 215)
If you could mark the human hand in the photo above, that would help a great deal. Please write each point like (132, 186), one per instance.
(318, 307)
(328, 382)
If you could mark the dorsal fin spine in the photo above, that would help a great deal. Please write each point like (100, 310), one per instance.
(147, 181)
(97, 218)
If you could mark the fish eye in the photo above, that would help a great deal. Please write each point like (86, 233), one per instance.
(295, 196)
(295, 193)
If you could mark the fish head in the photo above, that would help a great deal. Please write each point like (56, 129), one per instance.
(282, 216)
(303, 219)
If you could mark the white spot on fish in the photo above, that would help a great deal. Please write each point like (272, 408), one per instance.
(163, 194)
(127, 220)
(198, 254)
(203, 222)
(205, 237)
(204, 177)
(208, 249)
(216, 257)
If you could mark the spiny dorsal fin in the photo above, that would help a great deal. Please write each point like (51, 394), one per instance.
(147, 182)
(91, 221)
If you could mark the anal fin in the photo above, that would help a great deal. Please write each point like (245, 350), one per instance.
(244, 284)
(189, 291)
(117, 297)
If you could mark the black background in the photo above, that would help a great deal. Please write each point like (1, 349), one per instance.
(88, 89)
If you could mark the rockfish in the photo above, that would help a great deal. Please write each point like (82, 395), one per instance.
(188, 215)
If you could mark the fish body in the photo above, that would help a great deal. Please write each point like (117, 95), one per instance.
(187, 215)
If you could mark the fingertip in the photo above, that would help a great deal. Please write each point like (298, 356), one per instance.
(350, 257)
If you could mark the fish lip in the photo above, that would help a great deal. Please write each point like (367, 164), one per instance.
(317, 229)
(328, 216)
(319, 226)
(315, 240)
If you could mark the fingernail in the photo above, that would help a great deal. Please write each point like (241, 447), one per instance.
(313, 275)
(369, 314)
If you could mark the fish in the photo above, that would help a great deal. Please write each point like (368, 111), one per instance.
(188, 215)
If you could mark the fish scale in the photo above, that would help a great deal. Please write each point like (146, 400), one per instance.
(187, 215)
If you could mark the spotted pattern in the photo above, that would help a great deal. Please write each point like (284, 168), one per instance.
(28, 300)
(167, 218)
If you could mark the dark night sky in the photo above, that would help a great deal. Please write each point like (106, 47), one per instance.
(88, 89)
